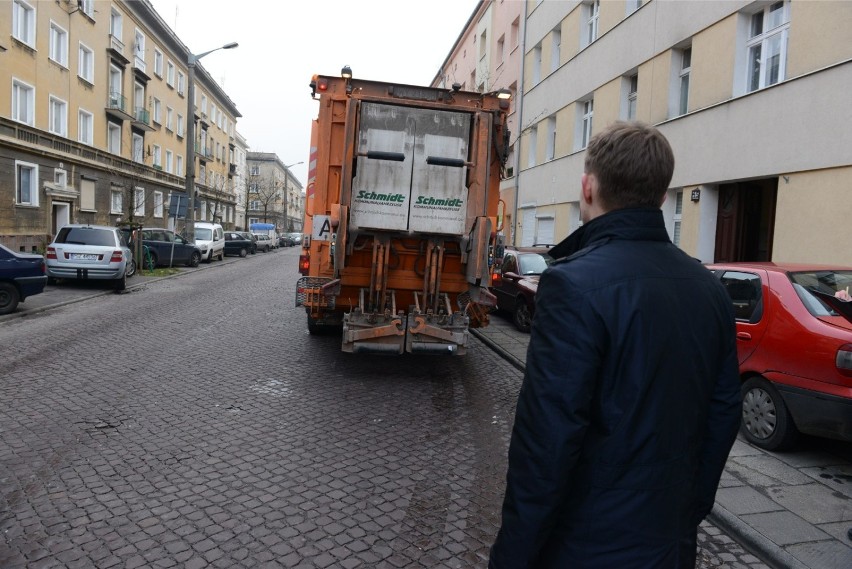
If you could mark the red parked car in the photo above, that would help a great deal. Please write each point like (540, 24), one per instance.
(516, 282)
(794, 342)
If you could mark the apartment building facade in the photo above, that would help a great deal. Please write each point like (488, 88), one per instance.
(753, 97)
(240, 176)
(93, 117)
(488, 56)
(274, 194)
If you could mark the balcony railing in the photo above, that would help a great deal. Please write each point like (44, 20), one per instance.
(143, 115)
(117, 101)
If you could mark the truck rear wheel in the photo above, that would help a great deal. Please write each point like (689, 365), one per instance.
(313, 326)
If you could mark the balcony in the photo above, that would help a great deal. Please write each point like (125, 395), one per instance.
(117, 107)
(142, 119)
(116, 50)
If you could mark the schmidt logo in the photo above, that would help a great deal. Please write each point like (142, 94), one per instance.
(439, 202)
(374, 197)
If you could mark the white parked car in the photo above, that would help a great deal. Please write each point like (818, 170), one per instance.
(264, 242)
(210, 239)
(90, 252)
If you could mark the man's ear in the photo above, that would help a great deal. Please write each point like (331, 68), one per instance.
(586, 182)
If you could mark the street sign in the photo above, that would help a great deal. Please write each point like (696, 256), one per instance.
(178, 203)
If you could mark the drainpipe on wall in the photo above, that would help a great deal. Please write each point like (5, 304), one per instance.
(520, 125)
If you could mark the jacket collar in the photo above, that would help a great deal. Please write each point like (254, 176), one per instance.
(634, 224)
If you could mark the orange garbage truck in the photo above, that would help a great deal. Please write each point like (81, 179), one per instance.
(401, 214)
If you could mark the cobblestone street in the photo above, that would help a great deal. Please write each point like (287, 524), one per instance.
(193, 422)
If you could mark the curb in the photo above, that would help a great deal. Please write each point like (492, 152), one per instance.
(754, 542)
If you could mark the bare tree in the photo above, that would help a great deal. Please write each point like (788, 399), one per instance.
(261, 192)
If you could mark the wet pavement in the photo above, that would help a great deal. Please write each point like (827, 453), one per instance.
(792, 509)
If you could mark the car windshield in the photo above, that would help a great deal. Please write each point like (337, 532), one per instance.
(533, 263)
(811, 285)
(86, 236)
(203, 234)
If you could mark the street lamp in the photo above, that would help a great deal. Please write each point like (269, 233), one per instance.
(190, 138)
(286, 206)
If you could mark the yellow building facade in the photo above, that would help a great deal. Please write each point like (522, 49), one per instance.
(93, 120)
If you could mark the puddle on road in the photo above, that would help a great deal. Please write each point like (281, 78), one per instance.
(272, 387)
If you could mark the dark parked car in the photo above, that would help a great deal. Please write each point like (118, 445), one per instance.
(516, 282)
(286, 240)
(237, 243)
(21, 275)
(794, 343)
(168, 249)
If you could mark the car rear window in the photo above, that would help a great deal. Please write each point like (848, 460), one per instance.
(811, 285)
(86, 236)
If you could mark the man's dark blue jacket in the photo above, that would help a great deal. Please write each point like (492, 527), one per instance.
(629, 406)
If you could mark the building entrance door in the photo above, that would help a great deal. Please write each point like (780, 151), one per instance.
(61, 215)
(745, 221)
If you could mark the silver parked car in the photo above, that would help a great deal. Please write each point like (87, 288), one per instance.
(90, 252)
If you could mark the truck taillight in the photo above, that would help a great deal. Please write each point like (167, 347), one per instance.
(116, 257)
(304, 264)
(51, 253)
(495, 279)
(322, 85)
(844, 359)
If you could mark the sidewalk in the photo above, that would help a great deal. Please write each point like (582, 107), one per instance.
(793, 510)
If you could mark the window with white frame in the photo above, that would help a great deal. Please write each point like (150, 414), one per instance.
(137, 148)
(501, 49)
(158, 62)
(556, 48)
(170, 74)
(60, 177)
(170, 117)
(115, 23)
(58, 116)
(24, 22)
(180, 125)
(86, 63)
(536, 65)
(158, 204)
(515, 33)
(157, 154)
(87, 7)
(26, 183)
(113, 138)
(23, 102)
(85, 127)
(587, 112)
(180, 82)
(632, 95)
(767, 45)
(116, 201)
(683, 77)
(139, 202)
(592, 12)
(533, 146)
(115, 85)
(678, 214)
(157, 111)
(169, 161)
(204, 105)
(551, 138)
(202, 174)
(58, 44)
(633, 5)
(139, 49)
(179, 165)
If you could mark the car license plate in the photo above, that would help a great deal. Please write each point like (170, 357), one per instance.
(84, 256)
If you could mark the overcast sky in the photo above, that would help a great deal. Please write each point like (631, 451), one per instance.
(284, 43)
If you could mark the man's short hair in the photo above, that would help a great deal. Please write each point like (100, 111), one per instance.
(633, 163)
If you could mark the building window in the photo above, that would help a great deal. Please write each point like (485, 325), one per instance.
(158, 62)
(88, 7)
(158, 204)
(536, 70)
(255, 170)
(588, 111)
(86, 64)
(115, 86)
(115, 24)
(115, 202)
(23, 22)
(179, 165)
(170, 74)
(533, 146)
(590, 21)
(483, 44)
(204, 105)
(515, 33)
(501, 50)
(58, 44)
(158, 156)
(632, 93)
(767, 45)
(180, 83)
(85, 127)
(87, 195)
(138, 148)
(170, 116)
(633, 5)
(58, 116)
(139, 202)
(23, 101)
(677, 217)
(556, 49)
(169, 161)
(158, 111)
(180, 125)
(113, 138)
(551, 138)
(139, 50)
(685, 68)
(60, 177)
(26, 183)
